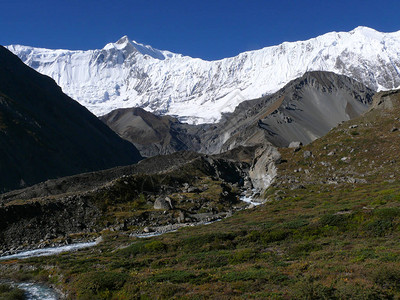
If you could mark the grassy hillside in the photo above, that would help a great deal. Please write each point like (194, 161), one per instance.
(329, 230)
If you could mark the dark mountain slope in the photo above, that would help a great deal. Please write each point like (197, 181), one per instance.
(45, 134)
(305, 109)
(153, 134)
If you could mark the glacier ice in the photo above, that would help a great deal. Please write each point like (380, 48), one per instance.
(130, 74)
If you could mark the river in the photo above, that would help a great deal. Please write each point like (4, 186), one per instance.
(47, 251)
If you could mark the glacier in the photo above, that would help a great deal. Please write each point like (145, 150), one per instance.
(129, 74)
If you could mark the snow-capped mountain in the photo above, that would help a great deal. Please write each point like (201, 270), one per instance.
(130, 74)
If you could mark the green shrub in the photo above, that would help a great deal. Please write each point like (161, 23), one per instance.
(244, 275)
(310, 290)
(388, 277)
(212, 259)
(274, 236)
(334, 220)
(356, 291)
(4, 288)
(139, 202)
(255, 274)
(380, 227)
(99, 285)
(309, 233)
(387, 213)
(295, 224)
(7, 292)
(209, 241)
(155, 246)
(168, 291)
(253, 236)
(363, 254)
(243, 255)
(176, 276)
(133, 249)
(304, 248)
(143, 247)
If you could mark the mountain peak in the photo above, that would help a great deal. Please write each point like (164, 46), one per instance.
(123, 40)
(125, 44)
(367, 32)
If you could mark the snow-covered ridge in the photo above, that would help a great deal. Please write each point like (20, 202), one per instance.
(127, 73)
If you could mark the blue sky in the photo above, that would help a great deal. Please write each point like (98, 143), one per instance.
(205, 29)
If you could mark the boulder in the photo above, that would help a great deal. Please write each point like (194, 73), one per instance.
(181, 217)
(307, 154)
(295, 145)
(147, 230)
(193, 189)
(164, 203)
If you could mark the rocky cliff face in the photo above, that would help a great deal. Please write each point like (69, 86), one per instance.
(45, 134)
(128, 74)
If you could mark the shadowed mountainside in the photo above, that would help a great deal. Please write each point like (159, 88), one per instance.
(153, 134)
(45, 134)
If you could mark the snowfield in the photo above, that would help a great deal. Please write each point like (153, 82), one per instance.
(129, 74)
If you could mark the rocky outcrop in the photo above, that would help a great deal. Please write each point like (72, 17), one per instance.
(263, 170)
(94, 180)
(386, 100)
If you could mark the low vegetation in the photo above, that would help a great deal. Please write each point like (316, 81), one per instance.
(8, 292)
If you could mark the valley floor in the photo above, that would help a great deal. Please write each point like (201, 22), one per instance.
(329, 230)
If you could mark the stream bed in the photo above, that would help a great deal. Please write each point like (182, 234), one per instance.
(34, 291)
(48, 251)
